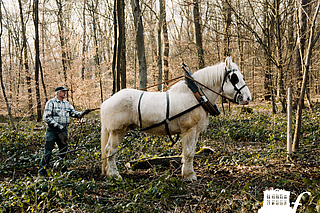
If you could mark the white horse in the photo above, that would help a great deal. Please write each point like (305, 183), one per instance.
(120, 113)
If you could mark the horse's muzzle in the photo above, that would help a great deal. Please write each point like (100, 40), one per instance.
(243, 101)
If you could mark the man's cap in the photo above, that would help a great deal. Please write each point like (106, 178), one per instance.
(60, 88)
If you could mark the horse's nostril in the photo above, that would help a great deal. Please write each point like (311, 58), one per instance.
(248, 99)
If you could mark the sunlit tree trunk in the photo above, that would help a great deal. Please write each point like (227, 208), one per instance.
(43, 52)
(25, 59)
(115, 47)
(1, 77)
(160, 45)
(305, 67)
(166, 44)
(63, 45)
(227, 28)
(37, 56)
(140, 43)
(279, 36)
(93, 9)
(197, 26)
(300, 49)
(84, 38)
(122, 44)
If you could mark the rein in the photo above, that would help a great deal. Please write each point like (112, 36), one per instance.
(204, 86)
(183, 76)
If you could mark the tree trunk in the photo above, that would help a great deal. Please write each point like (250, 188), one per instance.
(122, 45)
(140, 43)
(93, 10)
(300, 49)
(25, 61)
(197, 26)
(266, 39)
(1, 77)
(305, 67)
(227, 19)
(282, 92)
(160, 45)
(62, 40)
(43, 55)
(166, 44)
(118, 68)
(114, 60)
(37, 59)
(84, 38)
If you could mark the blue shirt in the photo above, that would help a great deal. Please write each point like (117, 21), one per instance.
(57, 113)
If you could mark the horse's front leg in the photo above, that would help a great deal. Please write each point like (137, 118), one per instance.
(189, 141)
(111, 149)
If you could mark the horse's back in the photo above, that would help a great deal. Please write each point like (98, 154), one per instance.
(118, 110)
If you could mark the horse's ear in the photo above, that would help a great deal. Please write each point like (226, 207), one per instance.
(228, 63)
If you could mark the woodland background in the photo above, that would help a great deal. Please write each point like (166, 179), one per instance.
(97, 47)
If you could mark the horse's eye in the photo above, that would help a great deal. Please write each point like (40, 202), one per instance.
(234, 79)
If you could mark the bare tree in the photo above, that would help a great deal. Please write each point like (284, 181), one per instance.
(61, 27)
(119, 52)
(121, 67)
(300, 50)
(166, 43)
(227, 29)
(198, 32)
(306, 64)
(84, 38)
(93, 8)
(140, 43)
(43, 52)
(160, 45)
(115, 47)
(37, 59)
(25, 60)
(1, 77)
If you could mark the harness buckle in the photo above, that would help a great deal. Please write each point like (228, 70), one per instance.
(203, 99)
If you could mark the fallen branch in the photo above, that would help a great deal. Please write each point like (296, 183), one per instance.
(165, 161)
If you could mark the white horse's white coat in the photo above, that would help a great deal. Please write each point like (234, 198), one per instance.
(120, 113)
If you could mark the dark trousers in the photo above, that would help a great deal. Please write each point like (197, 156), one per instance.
(52, 138)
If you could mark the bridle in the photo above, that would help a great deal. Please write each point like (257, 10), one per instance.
(233, 78)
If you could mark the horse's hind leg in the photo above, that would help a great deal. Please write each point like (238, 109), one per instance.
(104, 141)
(115, 138)
(189, 140)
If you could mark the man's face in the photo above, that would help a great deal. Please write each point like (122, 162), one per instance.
(62, 94)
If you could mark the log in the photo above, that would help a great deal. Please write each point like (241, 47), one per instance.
(165, 161)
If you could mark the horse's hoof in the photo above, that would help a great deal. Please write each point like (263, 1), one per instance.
(190, 178)
(115, 175)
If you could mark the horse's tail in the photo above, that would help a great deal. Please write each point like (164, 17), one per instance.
(104, 142)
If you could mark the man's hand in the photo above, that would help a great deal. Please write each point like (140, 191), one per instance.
(86, 112)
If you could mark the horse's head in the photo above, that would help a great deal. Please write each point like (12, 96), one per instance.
(233, 85)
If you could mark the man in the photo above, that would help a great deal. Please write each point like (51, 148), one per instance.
(57, 114)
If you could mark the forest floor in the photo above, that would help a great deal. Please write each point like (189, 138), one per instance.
(249, 156)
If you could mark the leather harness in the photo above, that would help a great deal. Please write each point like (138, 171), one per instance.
(198, 93)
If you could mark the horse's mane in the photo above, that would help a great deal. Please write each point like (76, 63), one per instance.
(208, 76)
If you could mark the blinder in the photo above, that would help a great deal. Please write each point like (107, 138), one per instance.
(233, 78)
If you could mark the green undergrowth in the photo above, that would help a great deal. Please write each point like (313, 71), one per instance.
(249, 156)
